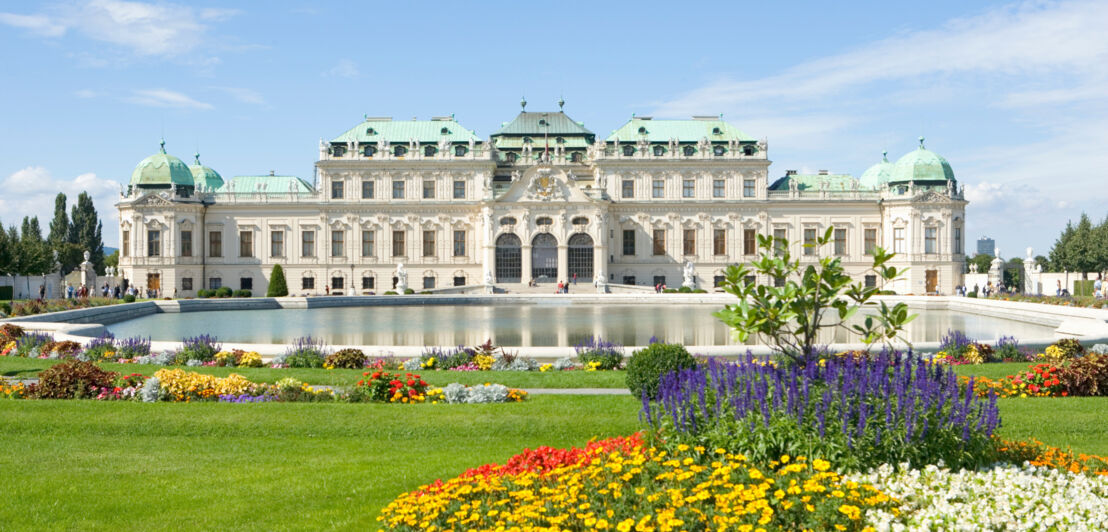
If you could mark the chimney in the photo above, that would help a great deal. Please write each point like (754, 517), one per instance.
(790, 172)
(823, 172)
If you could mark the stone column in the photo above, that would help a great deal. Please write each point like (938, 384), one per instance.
(525, 263)
(563, 262)
(599, 268)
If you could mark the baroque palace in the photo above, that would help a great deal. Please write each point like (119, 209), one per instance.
(543, 200)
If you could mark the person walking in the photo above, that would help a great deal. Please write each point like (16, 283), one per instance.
(575, 279)
(559, 288)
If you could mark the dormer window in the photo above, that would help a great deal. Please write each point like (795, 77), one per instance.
(459, 150)
(429, 151)
(370, 151)
(526, 140)
(688, 151)
(511, 157)
(717, 150)
(716, 131)
(444, 131)
(659, 151)
(338, 151)
(544, 221)
(576, 157)
(642, 130)
(628, 150)
(399, 151)
(370, 131)
(560, 140)
(542, 122)
(748, 150)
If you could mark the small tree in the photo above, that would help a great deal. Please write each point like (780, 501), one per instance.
(277, 285)
(791, 315)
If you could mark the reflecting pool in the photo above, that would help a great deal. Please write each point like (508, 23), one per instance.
(514, 325)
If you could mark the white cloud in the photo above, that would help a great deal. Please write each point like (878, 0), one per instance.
(31, 192)
(344, 69)
(144, 29)
(243, 95)
(84, 94)
(166, 98)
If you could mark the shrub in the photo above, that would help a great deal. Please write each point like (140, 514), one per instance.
(386, 387)
(390, 292)
(199, 348)
(1086, 376)
(597, 353)
(408, 291)
(857, 413)
(481, 393)
(181, 385)
(129, 298)
(646, 367)
(242, 293)
(277, 285)
(64, 349)
(71, 380)
(346, 359)
(224, 291)
(305, 352)
(9, 333)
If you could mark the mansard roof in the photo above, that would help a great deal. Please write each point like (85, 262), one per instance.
(813, 181)
(270, 184)
(373, 130)
(711, 127)
(537, 124)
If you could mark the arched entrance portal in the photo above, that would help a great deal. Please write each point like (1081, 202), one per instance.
(544, 257)
(509, 266)
(580, 256)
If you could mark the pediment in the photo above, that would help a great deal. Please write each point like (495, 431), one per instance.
(544, 184)
(153, 199)
(931, 197)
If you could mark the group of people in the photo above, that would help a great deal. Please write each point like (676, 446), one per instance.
(659, 288)
(114, 292)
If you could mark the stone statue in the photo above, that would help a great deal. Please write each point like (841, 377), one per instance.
(488, 277)
(322, 150)
(690, 275)
(488, 185)
(87, 255)
(401, 278)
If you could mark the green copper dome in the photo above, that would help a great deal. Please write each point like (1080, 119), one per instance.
(877, 174)
(204, 176)
(161, 170)
(921, 165)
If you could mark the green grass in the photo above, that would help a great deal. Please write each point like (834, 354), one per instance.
(1076, 422)
(29, 367)
(87, 465)
(997, 370)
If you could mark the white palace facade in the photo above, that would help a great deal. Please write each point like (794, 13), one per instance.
(542, 199)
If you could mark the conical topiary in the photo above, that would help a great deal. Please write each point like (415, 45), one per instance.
(277, 285)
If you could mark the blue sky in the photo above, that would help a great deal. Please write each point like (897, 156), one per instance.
(1014, 95)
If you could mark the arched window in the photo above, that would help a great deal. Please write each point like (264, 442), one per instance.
(543, 221)
(642, 130)
(659, 151)
(511, 157)
(717, 150)
(459, 150)
(576, 157)
(688, 151)
(748, 150)
(580, 220)
(338, 151)
(429, 151)
(628, 150)
(399, 151)
(370, 151)
(370, 131)
(508, 220)
(444, 131)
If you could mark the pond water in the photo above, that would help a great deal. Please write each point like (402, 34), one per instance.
(514, 325)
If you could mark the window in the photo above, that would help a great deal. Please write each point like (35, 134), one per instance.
(215, 283)
(688, 188)
(717, 188)
(580, 220)
(246, 243)
(779, 240)
(508, 220)
(459, 150)
(688, 151)
(628, 279)
(750, 280)
(126, 244)
(628, 188)
(689, 247)
(246, 283)
(659, 151)
(428, 243)
(717, 281)
(809, 241)
(659, 242)
(367, 189)
(870, 240)
(748, 188)
(307, 244)
(428, 283)
(186, 283)
(428, 190)
(659, 280)
(153, 243)
(898, 240)
(544, 220)
(370, 151)
(215, 244)
(369, 242)
(368, 283)
(718, 151)
(338, 283)
(930, 240)
(459, 189)
(719, 242)
(399, 151)
(628, 241)
(336, 189)
(840, 242)
(398, 244)
(459, 281)
(511, 158)
(779, 282)
(277, 244)
(748, 150)
(576, 157)
(957, 241)
(429, 151)
(628, 150)
(186, 244)
(459, 243)
(307, 283)
(397, 189)
(658, 189)
(337, 240)
(750, 241)
(871, 281)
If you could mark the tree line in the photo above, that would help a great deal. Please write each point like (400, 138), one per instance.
(26, 252)
(1081, 248)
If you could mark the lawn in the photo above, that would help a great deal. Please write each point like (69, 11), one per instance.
(997, 370)
(29, 367)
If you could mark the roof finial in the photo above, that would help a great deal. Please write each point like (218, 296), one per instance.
(884, 156)
(921, 142)
(561, 102)
(163, 144)
(523, 103)
(197, 157)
